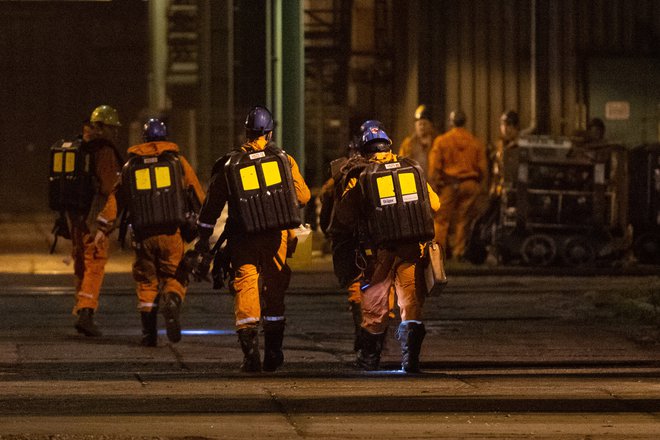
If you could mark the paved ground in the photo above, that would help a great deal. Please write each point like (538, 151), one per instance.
(508, 355)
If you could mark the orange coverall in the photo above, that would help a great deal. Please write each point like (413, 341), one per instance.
(89, 258)
(252, 255)
(457, 165)
(157, 256)
(413, 148)
(388, 267)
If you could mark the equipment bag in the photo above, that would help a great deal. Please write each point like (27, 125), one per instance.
(72, 181)
(153, 188)
(397, 202)
(431, 269)
(261, 190)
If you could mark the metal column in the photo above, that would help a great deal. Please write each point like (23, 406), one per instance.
(285, 75)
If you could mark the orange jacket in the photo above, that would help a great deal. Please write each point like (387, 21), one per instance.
(109, 213)
(107, 165)
(457, 154)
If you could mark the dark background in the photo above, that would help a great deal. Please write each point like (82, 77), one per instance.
(363, 59)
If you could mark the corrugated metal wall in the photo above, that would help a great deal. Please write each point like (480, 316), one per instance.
(480, 57)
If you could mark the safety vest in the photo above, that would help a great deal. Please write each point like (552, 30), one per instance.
(261, 191)
(72, 180)
(153, 188)
(397, 207)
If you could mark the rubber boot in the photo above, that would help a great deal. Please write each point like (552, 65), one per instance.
(150, 327)
(249, 341)
(85, 323)
(273, 336)
(356, 312)
(371, 345)
(411, 335)
(171, 308)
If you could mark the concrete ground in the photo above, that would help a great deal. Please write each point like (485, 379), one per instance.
(508, 355)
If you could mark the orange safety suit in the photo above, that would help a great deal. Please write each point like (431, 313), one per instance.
(413, 148)
(388, 266)
(157, 257)
(253, 255)
(89, 258)
(327, 195)
(505, 165)
(457, 165)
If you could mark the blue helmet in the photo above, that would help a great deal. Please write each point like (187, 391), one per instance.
(370, 123)
(154, 130)
(375, 140)
(258, 122)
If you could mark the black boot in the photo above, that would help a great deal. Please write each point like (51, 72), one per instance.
(171, 307)
(85, 323)
(249, 341)
(411, 335)
(150, 327)
(356, 312)
(368, 354)
(273, 336)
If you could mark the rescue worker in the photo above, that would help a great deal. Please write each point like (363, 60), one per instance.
(256, 249)
(89, 257)
(457, 166)
(417, 145)
(156, 180)
(343, 242)
(390, 260)
(595, 131)
(505, 156)
(504, 165)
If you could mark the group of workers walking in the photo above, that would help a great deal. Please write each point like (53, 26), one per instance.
(377, 247)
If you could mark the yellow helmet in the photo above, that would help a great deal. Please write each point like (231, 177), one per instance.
(106, 115)
(422, 112)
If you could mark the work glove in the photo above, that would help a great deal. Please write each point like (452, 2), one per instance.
(99, 238)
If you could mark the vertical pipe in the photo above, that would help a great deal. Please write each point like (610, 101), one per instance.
(292, 104)
(230, 104)
(277, 71)
(158, 55)
(532, 71)
(203, 120)
(270, 62)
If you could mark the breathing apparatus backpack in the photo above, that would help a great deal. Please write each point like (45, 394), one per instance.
(261, 190)
(72, 182)
(153, 188)
(397, 206)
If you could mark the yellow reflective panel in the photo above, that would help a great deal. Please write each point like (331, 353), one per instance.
(69, 162)
(57, 162)
(142, 179)
(272, 174)
(385, 186)
(407, 182)
(163, 179)
(249, 178)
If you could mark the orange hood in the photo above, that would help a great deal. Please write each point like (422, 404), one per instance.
(257, 144)
(383, 157)
(153, 148)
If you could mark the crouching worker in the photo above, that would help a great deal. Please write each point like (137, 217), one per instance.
(390, 206)
(160, 190)
(265, 191)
